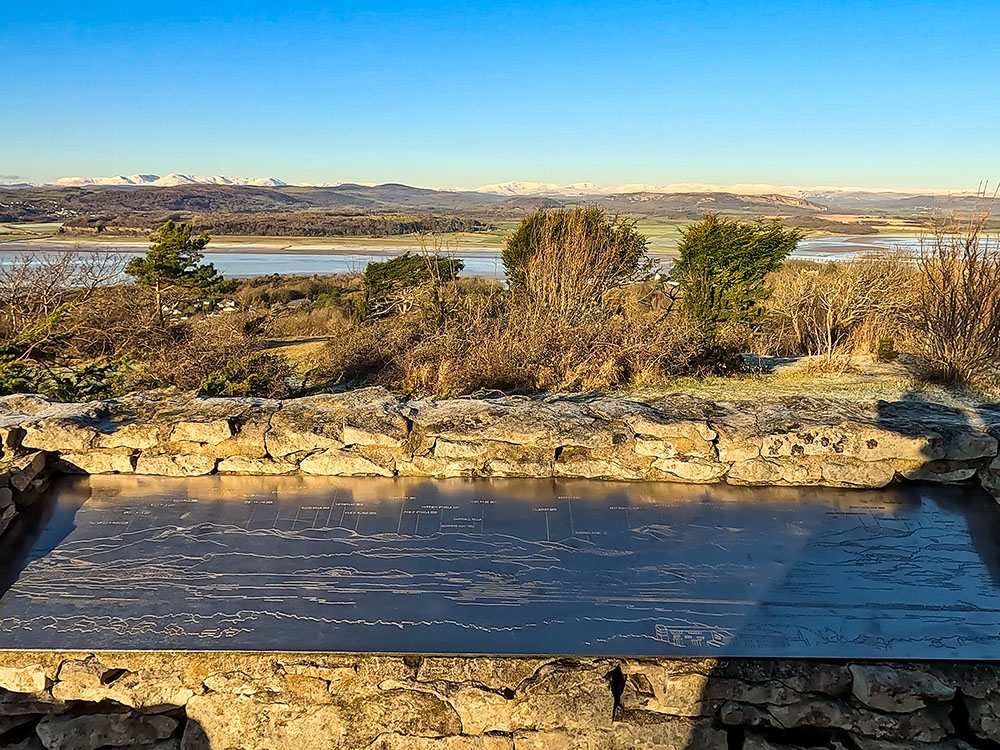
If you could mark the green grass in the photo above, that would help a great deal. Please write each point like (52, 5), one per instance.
(846, 386)
(13, 231)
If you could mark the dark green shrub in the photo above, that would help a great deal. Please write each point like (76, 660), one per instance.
(385, 280)
(260, 374)
(16, 377)
(886, 350)
(100, 378)
(723, 265)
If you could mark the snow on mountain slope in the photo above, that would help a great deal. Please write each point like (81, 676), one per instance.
(170, 180)
(589, 188)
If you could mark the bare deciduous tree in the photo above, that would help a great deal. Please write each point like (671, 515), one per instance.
(957, 318)
(827, 312)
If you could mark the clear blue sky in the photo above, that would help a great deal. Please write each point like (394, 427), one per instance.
(887, 93)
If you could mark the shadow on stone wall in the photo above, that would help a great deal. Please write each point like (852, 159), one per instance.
(224, 701)
(785, 704)
(39, 721)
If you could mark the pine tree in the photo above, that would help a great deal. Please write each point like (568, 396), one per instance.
(173, 261)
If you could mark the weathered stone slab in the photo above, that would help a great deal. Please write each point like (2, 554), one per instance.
(338, 463)
(696, 470)
(89, 680)
(97, 462)
(350, 721)
(175, 465)
(493, 673)
(672, 734)
(369, 416)
(516, 420)
(926, 725)
(211, 431)
(92, 731)
(984, 717)
(897, 689)
(27, 679)
(256, 466)
(555, 698)
(21, 471)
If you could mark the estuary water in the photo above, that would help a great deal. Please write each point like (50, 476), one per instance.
(243, 260)
(413, 565)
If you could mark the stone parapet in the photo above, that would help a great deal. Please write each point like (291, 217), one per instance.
(784, 441)
(196, 701)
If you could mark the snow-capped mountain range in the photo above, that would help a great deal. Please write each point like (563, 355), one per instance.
(756, 188)
(171, 180)
(510, 189)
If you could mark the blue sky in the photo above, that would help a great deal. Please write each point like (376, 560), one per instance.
(889, 93)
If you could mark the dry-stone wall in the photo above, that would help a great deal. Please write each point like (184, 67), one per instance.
(164, 701)
(197, 701)
(23, 478)
(788, 441)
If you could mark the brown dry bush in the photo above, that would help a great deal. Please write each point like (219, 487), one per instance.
(578, 260)
(504, 344)
(956, 320)
(34, 286)
(837, 309)
(196, 350)
(583, 315)
(116, 320)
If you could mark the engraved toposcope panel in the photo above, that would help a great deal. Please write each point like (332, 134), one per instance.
(503, 566)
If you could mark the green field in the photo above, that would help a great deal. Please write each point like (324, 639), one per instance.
(11, 232)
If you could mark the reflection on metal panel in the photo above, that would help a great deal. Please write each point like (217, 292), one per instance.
(508, 566)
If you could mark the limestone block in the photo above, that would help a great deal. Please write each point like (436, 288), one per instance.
(677, 691)
(86, 680)
(367, 416)
(134, 435)
(848, 473)
(733, 447)
(925, 725)
(555, 698)
(257, 466)
(457, 449)
(495, 673)
(516, 420)
(20, 472)
(984, 717)
(7, 510)
(673, 447)
(175, 465)
(344, 464)
(896, 689)
(802, 676)
(97, 462)
(673, 734)
(397, 741)
(349, 721)
(691, 470)
(594, 467)
(27, 679)
(73, 430)
(439, 466)
(756, 471)
(92, 731)
(212, 431)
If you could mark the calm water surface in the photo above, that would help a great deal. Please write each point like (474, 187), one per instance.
(263, 259)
